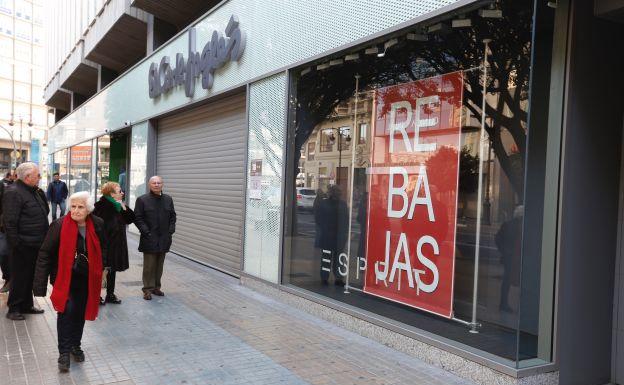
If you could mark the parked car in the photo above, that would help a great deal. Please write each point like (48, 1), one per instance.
(305, 198)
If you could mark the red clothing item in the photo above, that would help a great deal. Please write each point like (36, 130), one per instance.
(67, 252)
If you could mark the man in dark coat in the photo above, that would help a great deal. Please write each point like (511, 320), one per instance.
(25, 216)
(57, 194)
(4, 247)
(155, 219)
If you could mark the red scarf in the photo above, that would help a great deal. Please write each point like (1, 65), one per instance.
(67, 251)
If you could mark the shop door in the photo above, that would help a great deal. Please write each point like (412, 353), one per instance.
(201, 156)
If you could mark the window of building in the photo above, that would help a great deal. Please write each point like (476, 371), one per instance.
(22, 73)
(6, 69)
(6, 90)
(311, 150)
(362, 133)
(6, 49)
(398, 225)
(6, 6)
(22, 92)
(23, 9)
(60, 165)
(6, 25)
(23, 52)
(103, 161)
(327, 140)
(23, 30)
(38, 14)
(80, 166)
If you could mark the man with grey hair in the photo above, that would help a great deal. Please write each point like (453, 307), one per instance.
(25, 217)
(155, 219)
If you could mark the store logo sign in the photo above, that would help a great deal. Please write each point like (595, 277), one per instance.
(163, 77)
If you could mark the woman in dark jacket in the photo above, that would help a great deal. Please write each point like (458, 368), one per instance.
(116, 216)
(72, 255)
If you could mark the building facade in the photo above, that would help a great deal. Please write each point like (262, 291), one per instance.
(415, 171)
(23, 114)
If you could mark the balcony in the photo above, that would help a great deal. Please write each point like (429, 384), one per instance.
(180, 13)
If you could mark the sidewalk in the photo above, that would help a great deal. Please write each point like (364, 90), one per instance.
(208, 329)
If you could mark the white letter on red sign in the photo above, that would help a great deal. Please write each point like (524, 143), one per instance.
(407, 266)
(427, 288)
(400, 127)
(398, 191)
(423, 147)
(418, 200)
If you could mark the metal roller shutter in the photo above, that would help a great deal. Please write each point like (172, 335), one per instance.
(201, 157)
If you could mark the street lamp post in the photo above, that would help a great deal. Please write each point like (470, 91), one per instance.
(333, 138)
(14, 157)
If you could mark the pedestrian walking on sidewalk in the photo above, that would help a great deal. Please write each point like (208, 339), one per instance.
(57, 193)
(72, 255)
(155, 219)
(25, 218)
(116, 216)
(4, 245)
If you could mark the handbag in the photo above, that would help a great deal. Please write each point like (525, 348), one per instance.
(81, 264)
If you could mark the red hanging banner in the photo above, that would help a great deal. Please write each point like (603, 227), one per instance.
(413, 193)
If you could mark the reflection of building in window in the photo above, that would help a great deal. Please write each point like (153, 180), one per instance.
(333, 163)
(326, 140)
(362, 133)
(344, 140)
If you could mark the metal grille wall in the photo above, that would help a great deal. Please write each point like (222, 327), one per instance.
(201, 157)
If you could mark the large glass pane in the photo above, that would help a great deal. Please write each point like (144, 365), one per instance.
(103, 160)
(80, 166)
(413, 205)
(60, 165)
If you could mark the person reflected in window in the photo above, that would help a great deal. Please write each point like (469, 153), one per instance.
(123, 180)
(509, 242)
(316, 210)
(334, 220)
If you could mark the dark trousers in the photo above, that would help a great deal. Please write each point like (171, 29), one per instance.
(22, 265)
(110, 283)
(70, 324)
(4, 266)
(152, 270)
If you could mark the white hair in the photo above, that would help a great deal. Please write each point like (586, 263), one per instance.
(82, 196)
(25, 169)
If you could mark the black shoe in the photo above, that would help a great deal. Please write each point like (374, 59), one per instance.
(147, 296)
(113, 299)
(63, 363)
(158, 292)
(33, 310)
(102, 301)
(78, 354)
(15, 316)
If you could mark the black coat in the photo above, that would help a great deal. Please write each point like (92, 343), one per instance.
(24, 215)
(155, 219)
(115, 228)
(47, 260)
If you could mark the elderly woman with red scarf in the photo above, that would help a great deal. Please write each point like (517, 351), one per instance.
(72, 255)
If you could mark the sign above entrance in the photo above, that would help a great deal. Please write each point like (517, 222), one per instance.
(413, 193)
(216, 53)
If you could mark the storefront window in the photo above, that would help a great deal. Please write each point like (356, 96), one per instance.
(427, 219)
(80, 166)
(103, 162)
(60, 165)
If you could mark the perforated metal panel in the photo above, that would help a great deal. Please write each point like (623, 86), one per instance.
(267, 127)
(201, 157)
(279, 34)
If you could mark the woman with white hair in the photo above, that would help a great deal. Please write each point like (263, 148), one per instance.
(72, 255)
